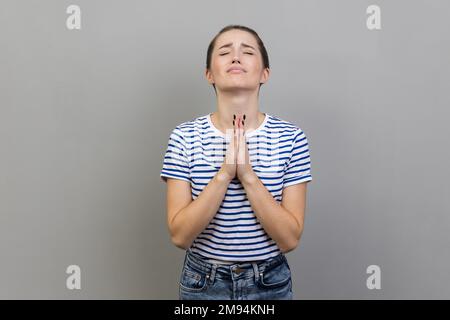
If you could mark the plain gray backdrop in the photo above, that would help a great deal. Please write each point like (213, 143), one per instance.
(85, 117)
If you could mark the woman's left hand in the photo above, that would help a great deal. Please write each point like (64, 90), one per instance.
(244, 169)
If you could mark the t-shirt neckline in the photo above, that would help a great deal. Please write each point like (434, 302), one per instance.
(248, 134)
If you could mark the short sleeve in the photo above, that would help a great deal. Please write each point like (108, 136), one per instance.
(298, 168)
(176, 164)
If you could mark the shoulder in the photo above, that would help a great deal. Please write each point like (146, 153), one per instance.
(187, 128)
(286, 127)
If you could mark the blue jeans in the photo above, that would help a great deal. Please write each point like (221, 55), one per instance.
(266, 280)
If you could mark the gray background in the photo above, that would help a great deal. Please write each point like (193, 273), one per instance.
(85, 117)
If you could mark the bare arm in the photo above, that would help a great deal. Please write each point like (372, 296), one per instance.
(186, 218)
(282, 222)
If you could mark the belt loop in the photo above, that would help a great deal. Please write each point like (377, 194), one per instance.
(213, 273)
(255, 271)
(185, 257)
(285, 260)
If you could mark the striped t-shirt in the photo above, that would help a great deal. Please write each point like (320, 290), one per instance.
(279, 155)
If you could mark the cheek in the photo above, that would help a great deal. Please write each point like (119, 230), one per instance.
(219, 62)
(219, 66)
(254, 65)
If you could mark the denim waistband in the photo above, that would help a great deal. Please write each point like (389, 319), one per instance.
(250, 268)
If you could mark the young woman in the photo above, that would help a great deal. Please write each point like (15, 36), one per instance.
(236, 182)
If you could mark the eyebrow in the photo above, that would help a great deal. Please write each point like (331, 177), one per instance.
(231, 43)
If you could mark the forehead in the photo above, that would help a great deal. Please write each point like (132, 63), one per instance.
(236, 37)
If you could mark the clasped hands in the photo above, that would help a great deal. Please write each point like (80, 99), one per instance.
(237, 159)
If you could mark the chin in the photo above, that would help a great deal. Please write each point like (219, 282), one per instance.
(240, 85)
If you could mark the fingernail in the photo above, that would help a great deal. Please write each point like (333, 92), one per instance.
(233, 122)
(242, 122)
(234, 116)
(244, 116)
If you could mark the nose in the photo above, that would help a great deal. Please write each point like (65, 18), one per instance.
(236, 56)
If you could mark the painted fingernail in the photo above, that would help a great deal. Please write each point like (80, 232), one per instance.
(234, 116)
(233, 122)
(244, 116)
(242, 122)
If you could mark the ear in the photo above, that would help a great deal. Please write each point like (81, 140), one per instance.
(265, 75)
(209, 76)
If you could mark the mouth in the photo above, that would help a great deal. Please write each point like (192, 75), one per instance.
(235, 70)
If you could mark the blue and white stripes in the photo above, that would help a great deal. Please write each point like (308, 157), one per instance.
(280, 157)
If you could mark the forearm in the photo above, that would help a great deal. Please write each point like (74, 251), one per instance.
(278, 222)
(194, 218)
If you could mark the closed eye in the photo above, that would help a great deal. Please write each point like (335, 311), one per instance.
(222, 54)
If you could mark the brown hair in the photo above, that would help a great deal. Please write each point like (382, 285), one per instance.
(262, 48)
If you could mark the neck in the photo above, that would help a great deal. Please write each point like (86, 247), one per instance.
(229, 103)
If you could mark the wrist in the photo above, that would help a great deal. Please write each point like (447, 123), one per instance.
(249, 178)
(222, 176)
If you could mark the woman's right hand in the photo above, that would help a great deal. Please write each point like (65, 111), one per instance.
(229, 164)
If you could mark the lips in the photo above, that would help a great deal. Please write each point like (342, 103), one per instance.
(235, 69)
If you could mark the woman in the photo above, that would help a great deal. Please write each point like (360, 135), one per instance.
(236, 182)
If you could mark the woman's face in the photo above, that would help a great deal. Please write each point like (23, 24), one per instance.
(236, 49)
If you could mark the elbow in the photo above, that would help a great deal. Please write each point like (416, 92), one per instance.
(179, 242)
(177, 238)
(289, 246)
